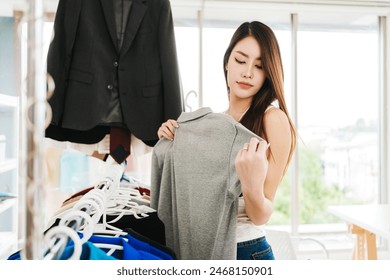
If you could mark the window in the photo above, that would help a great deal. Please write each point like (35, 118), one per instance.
(338, 119)
(187, 43)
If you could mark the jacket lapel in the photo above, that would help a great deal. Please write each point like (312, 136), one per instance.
(108, 10)
(137, 13)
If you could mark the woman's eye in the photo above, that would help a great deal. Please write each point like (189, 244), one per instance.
(239, 61)
(259, 67)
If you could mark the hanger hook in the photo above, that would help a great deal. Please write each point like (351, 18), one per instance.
(185, 100)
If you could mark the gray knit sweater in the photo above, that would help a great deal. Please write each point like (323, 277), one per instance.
(194, 185)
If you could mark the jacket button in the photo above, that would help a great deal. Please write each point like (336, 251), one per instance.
(110, 87)
(116, 63)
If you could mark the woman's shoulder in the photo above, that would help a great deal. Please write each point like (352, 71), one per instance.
(270, 107)
(273, 115)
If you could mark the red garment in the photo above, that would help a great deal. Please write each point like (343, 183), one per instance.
(119, 143)
(79, 193)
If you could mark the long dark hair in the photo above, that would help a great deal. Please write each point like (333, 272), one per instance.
(272, 88)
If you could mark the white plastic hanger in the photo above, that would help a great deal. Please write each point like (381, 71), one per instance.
(83, 217)
(57, 237)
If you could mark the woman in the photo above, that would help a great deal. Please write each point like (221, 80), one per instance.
(254, 78)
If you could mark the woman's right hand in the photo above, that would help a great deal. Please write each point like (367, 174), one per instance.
(167, 129)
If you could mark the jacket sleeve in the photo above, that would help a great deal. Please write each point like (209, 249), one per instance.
(173, 100)
(60, 53)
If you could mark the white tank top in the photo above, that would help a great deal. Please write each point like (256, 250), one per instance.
(246, 230)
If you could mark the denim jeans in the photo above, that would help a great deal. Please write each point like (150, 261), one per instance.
(256, 249)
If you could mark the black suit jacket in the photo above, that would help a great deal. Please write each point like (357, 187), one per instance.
(84, 59)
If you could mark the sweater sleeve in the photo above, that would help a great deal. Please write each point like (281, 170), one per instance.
(158, 156)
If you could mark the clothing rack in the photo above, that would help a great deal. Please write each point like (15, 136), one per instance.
(36, 116)
(83, 215)
(87, 217)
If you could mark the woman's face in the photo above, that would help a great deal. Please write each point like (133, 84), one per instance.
(245, 75)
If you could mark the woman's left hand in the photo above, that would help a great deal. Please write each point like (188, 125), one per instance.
(252, 165)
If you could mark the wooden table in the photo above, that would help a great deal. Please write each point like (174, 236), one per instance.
(366, 221)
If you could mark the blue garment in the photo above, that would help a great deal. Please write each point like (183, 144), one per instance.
(14, 256)
(129, 252)
(140, 245)
(133, 249)
(89, 252)
(256, 249)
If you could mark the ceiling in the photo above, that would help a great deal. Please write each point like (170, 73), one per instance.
(214, 12)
